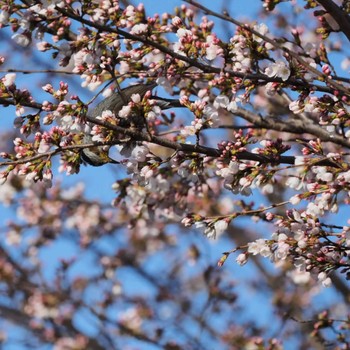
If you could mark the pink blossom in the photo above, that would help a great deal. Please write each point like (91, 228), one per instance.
(176, 21)
(212, 50)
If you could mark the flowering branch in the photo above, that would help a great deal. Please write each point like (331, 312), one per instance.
(137, 135)
(321, 76)
(293, 126)
(208, 68)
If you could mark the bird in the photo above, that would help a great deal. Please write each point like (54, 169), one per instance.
(98, 155)
(117, 100)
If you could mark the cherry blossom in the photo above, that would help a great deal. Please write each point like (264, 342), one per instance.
(278, 69)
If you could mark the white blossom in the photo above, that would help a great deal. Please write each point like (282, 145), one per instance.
(299, 277)
(220, 227)
(13, 237)
(140, 28)
(21, 39)
(9, 79)
(124, 112)
(4, 17)
(232, 106)
(221, 101)
(261, 29)
(181, 33)
(282, 249)
(294, 182)
(242, 259)
(279, 70)
(295, 107)
(130, 12)
(322, 174)
(314, 209)
(124, 67)
(295, 199)
(91, 83)
(259, 247)
(139, 153)
(210, 232)
(324, 279)
(7, 193)
(44, 146)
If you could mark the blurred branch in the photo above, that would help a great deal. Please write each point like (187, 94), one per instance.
(43, 71)
(20, 319)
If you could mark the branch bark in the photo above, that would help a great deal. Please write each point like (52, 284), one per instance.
(341, 17)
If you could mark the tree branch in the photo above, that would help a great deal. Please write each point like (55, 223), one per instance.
(137, 135)
(274, 43)
(213, 152)
(210, 69)
(20, 319)
(341, 17)
(292, 126)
